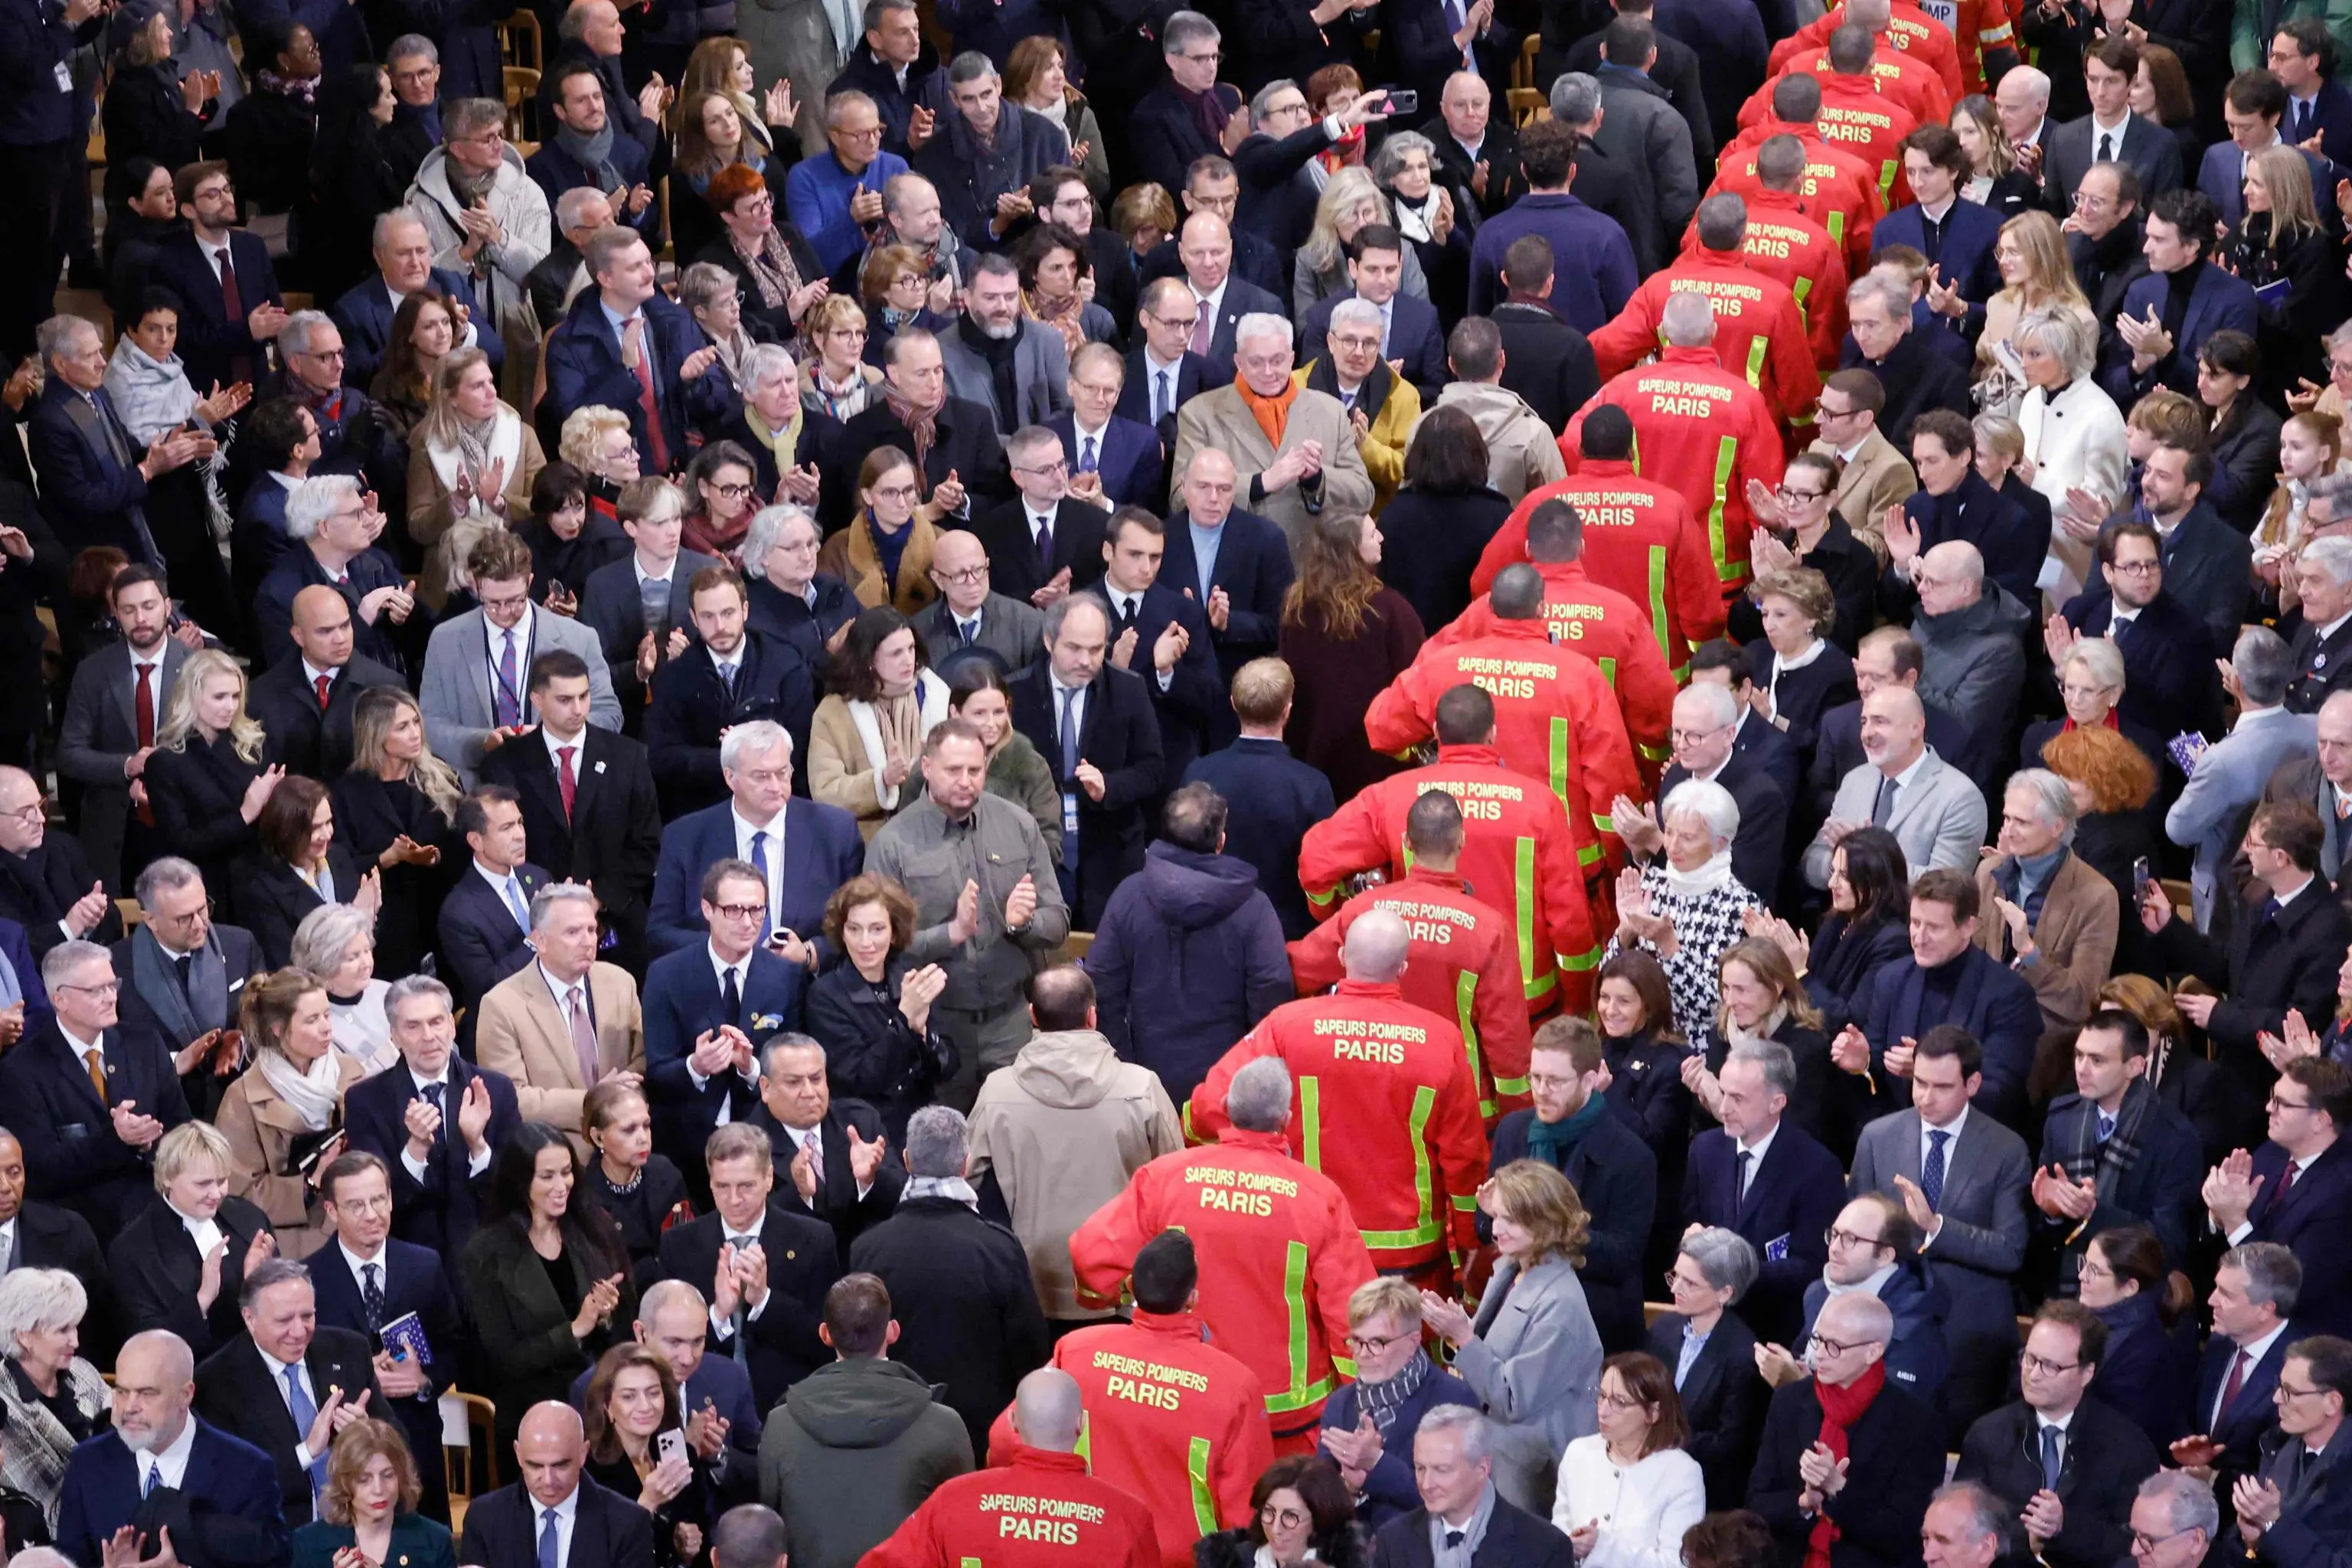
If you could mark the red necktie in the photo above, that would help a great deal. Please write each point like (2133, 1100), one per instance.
(644, 370)
(2237, 1381)
(325, 682)
(233, 308)
(2285, 1184)
(566, 780)
(143, 702)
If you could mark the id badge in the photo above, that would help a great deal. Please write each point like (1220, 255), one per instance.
(1070, 813)
(63, 76)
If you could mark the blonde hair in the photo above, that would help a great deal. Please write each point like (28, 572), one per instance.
(1324, 249)
(439, 425)
(354, 1446)
(584, 431)
(2049, 276)
(371, 722)
(1385, 1296)
(246, 736)
(1544, 1204)
(2286, 178)
(179, 1150)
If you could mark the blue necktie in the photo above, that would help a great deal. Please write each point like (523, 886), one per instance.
(1070, 734)
(1931, 1177)
(509, 692)
(549, 1555)
(372, 1299)
(1088, 462)
(2106, 1126)
(155, 1478)
(760, 859)
(515, 903)
(2050, 1463)
(305, 1413)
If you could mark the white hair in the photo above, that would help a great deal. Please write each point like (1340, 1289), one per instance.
(752, 740)
(1355, 312)
(32, 1300)
(1709, 802)
(543, 902)
(2051, 796)
(1262, 324)
(316, 499)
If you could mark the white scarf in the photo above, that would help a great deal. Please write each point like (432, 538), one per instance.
(505, 446)
(1767, 1027)
(1708, 878)
(1414, 222)
(311, 1094)
(932, 697)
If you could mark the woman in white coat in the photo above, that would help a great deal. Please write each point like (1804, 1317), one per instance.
(1629, 1491)
(490, 221)
(2073, 437)
(1532, 1356)
(866, 744)
(472, 461)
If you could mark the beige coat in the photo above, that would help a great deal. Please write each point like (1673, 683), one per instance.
(433, 517)
(260, 1129)
(524, 1035)
(846, 758)
(2074, 942)
(1879, 476)
(1064, 1126)
(1522, 453)
(850, 555)
(1221, 419)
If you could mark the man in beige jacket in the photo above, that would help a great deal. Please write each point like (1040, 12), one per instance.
(563, 1024)
(1064, 1127)
(1522, 451)
(1311, 468)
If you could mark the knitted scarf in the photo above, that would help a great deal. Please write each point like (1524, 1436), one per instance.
(923, 425)
(593, 154)
(303, 89)
(1210, 115)
(770, 270)
(1554, 1142)
(2108, 1164)
(1383, 1402)
(309, 1093)
(1841, 1408)
(1271, 413)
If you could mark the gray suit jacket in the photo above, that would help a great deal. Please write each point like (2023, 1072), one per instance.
(2230, 777)
(1013, 630)
(1534, 1366)
(1939, 819)
(1221, 419)
(459, 712)
(1641, 130)
(1041, 375)
(101, 732)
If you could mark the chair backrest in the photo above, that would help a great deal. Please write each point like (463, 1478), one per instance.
(462, 1416)
(522, 101)
(520, 42)
(1528, 105)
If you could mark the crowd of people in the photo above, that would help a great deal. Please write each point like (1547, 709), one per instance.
(903, 786)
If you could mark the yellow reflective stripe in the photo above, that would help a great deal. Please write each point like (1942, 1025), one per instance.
(1589, 854)
(1655, 753)
(1836, 225)
(1588, 959)
(1301, 1392)
(1424, 1101)
(1205, 1501)
(1510, 1086)
(1523, 879)
(1313, 1393)
(1608, 672)
(1558, 761)
(1189, 1134)
(1804, 290)
(1660, 625)
(1465, 990)
(1327, 896)
(1085, 1448)
(1537, 988)
(1887, 170)
(1757, 346)
(1345, 1366)
(1310, 1122)
(1465, 1205)
(1726, 457)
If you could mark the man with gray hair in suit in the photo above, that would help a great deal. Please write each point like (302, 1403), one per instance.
(999, 358)
(1933, 809)
(2231, 775)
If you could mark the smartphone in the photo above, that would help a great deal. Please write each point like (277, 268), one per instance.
(1404, 100)
(2140, 878)
(672, 1442)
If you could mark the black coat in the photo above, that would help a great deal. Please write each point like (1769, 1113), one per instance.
(49, 1236)
(198, 795)
(1892, 1475)
(871, 1051)
(806, 626)
(1119, 734)
(1617, 1176)
(819, 440)
(1430, 545)
(640, 1213)
(2101, 1464)
(38, 888)
(802, 1266)
(777, 320)
(442, 1211)
(967, 447)
(1015, 568)
(690, 708)
(370, 814)
(1916, 379)
(614, 835)
(514, 1309)
(1723, 1399)
(412, 1281)
(71, 1154)
(1755, 851)
(154, 1263)
(837, 1202)
(145, 117)
(1792, 1198)
(1646, 1093)
(2170, 682)
(236, 1393)
(610, 1530)
(271, 900)
(2268, 967)
(966, 1305)
(1515, 1539)
(2159, 1191)
(302, 739)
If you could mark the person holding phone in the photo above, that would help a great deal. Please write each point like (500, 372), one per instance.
(636, 1449)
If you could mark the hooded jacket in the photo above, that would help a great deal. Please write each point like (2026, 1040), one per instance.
(1186, 959)
(1522, 451)
(1976, 659)
(1916, 1357)
(1062, 1127)
(856, 1447)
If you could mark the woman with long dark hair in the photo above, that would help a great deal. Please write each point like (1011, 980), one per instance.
(1434, 529)
(642, 1191)
(1345, 635)
(1868, 926)
(1635, 1011)
(866, 744)
(1017, 770)
(296, 865)
(423, 330)
(2244, 435)
(2150, 1365)
(632, 1395)
(545, 1278)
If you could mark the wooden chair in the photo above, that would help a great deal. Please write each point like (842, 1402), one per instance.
(2183, 901)
(1523, 69)
(134, 917)
(1528, 105)
(462, 1414)
(520, 43)
(522, 96)
(1075, 945)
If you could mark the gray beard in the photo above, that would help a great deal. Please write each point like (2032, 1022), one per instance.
(999, 331)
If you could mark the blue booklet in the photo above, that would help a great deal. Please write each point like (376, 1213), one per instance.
(405, 1338)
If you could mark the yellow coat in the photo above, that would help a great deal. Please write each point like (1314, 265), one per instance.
(1383, 446)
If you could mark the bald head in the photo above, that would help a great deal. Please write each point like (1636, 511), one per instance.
(1046, 1413)
(1205, 246)
(1856, 1317)
(550, 1445)
(1894, 728)
(1376, 947)
(1688, 320)
(323, 626)
(1951, 577)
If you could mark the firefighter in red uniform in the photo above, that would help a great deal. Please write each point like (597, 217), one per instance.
(1903, 25)
(1698, 428)
(1039, 1509)
(1554, 713)
(1278, 1248)
(1596, 621)
(1463, 963)
(1783, 241)
(1171, 1418)
(1838, 188)
(1517, 845)
(1758, 332)
(1910, 81)
(1857, 116)
(1385, 1105)
(1641, 539)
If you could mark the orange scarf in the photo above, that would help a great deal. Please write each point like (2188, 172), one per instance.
(1272, 414)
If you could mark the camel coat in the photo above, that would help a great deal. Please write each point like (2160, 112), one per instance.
(1879, 476)
(846, 757)
(524, 1035)
(2074, 942)
(433, 519)
(850, 555)
(1221, 419)
(260, 1129)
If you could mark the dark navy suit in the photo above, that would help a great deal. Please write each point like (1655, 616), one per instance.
(614, 607)
(2218, 300)
(609, 1531)
(822, 850)
(223, 1515)
(2159, 1191)
(2222, 177)
(2331, 122)
(583, 367)
(413, 1280)
(2169, 683)
(1414, 336)
(480, 942)
(210, 343)
(682, 1004)
(442, 1211)
(1252, 566)
(236, 1392)
(1964, 255)
(365, 314)
(1135, 399)
(1195, 694)
(1988, 999)
(1793, 1198)
(804, 1261)
(1129, 456)
(90, 486)
(1286, 797)
(71, 1154)
(2247, 1417)
(2311, 1219)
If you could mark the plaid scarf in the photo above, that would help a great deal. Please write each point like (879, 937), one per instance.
(924, 428)
(2108, 1164)
(770, 266)
(1383, 1402)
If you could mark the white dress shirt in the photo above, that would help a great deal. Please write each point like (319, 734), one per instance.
(171, 1461)
(720, 970)
(475, 1163)
(278, 1370)
(2253, 1355)
(567, 1521)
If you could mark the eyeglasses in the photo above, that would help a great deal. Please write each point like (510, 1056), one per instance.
(767, 775)
(1057, 466)
(363, 1206)
(2275, 1104)
(1357, 344)
(894, 492)
(2043, 1365)
(1826, 412)
(740, 912)
(33, 811)
(1177, 323)
(2282, 1392)
(1675, 1281)
(106, 988)
(2137, 568)
(1833, 1347)
(730, 492)
(1284, 1518)
(1371, 1344)
(871, 133)
(1620, 1402)
(1209, 58)
(1833, 1236)
(330, 354)
(1794, 496)
(2143, 1542)
(967, 577)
